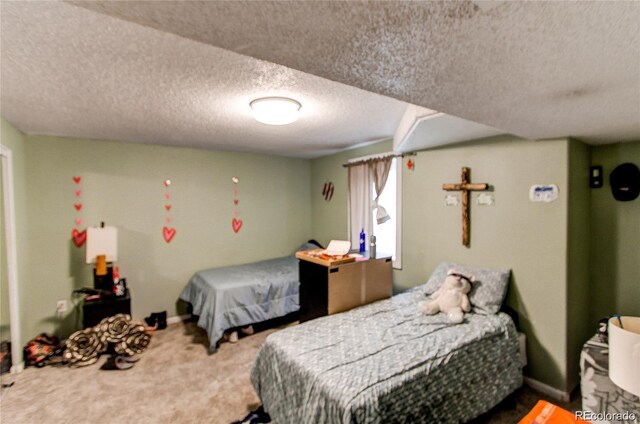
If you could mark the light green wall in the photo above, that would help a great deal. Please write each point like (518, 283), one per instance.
(615, 240)
(579, 231)
(330, 218)
(546, 245)
(122, 184)
(530, 238)
(14, 140)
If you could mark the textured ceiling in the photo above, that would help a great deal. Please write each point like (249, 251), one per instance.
(69, 71)
(183, 72)
(532, 68)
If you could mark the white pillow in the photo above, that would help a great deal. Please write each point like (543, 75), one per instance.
(487, 292)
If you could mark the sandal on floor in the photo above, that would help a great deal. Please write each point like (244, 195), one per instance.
(116, 363)
(230, 336)
(249, 419)
(158, 319)
(131, 359)
(259, 416)
(248, 330)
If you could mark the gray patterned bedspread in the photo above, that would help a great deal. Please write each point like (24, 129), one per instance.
(388, 363)
(240, 295)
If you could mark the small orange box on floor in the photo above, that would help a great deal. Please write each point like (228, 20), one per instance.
(548, 413)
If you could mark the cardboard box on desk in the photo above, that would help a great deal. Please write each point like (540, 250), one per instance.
(337, 253)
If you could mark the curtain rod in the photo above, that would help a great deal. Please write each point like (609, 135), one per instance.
(377, 158)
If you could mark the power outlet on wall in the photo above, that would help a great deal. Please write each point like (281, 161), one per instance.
(61, 308)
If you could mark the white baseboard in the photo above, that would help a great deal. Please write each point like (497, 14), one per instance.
(178, 318)
(16, 368)
(547, 390)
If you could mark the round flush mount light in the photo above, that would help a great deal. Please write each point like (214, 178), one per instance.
(275, 110)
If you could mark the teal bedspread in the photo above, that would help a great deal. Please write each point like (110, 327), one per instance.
(388, 363)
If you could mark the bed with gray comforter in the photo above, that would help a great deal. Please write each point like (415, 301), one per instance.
(241, 295)
(387, 362)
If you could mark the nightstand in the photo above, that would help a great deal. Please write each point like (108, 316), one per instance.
(94, 311)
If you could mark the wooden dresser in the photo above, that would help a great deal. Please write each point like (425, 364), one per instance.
(328, 288)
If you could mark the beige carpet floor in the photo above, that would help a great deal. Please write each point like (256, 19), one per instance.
(175, 381)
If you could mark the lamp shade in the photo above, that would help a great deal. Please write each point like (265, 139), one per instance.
(624, 353)
(275, 110)
(102, 241)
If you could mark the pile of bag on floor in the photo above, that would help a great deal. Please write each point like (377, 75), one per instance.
(43, 350)
(5, 357)
(117, 335)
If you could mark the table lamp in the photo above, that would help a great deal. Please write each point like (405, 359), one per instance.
(624, 353)
(102, 249)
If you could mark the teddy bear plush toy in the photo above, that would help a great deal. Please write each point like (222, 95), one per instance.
(451, 298)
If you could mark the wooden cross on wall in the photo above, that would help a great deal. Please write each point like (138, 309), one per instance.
(465, 187)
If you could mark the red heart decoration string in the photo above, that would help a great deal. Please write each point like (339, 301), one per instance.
(168, 233)
(79, 237)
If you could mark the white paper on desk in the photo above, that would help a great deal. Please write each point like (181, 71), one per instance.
(338, 247)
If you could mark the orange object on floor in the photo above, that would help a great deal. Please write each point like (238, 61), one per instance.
(548, 413)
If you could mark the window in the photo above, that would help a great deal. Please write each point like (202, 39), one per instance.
(388, 233)
(363, 173)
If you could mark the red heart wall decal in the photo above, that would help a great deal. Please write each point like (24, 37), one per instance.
(168, 233)
(78, 193)
(236, 224)
(235, 202)
(167, 196)
(78, 221)
(166, 183)
(167, 207)
(78, 206)
(78, 237)
(77, 180)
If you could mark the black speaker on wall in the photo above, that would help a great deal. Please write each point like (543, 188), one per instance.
(595, 176)
(625, 182)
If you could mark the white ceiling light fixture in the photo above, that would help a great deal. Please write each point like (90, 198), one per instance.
(275, 110)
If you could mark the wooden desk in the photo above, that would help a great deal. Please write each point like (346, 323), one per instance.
(333, 288)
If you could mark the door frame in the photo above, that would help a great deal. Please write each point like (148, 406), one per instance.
(12, 258)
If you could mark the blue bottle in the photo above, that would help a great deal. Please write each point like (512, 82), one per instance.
(362, 240)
